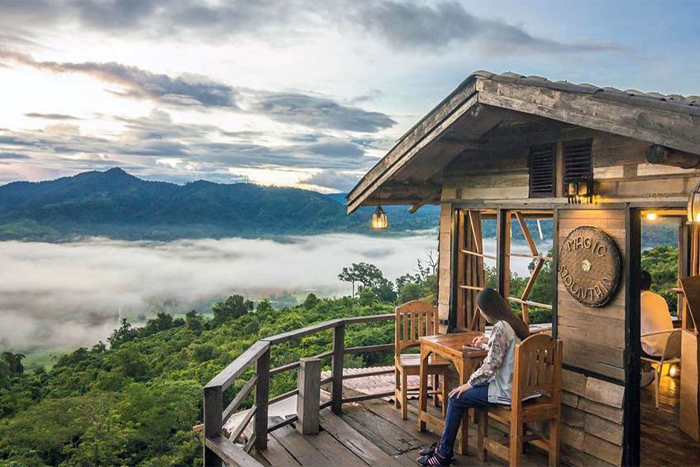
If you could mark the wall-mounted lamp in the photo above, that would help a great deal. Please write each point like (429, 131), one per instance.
(652, 216)
(694, 205)
(580, 191)
(674, 371)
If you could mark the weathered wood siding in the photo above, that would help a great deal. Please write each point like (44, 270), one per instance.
(444, 265)
(620, 170)
(592, 418)
(594, 338)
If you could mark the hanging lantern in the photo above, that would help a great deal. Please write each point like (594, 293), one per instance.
(380, 221)
(580, 191)
(694, 205)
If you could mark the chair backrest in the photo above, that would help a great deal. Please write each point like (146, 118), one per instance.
(537, 367)
(414, 319)
(673, 345)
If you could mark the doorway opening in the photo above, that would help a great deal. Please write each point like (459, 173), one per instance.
(665, 258)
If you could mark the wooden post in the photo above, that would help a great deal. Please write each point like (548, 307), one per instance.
(262, 398)
(555, 274)
(213, 408)
(338, 357)
(502, 251)
(309, 397)
(633, 346)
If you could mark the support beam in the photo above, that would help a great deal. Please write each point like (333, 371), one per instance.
(503, 217)
(309, 397)
(633, 347)
(657, 154)
(417, 206)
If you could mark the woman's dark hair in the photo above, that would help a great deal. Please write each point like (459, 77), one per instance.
(496, 308)
(646, 280)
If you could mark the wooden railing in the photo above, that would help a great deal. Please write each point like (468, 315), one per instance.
(218, 449)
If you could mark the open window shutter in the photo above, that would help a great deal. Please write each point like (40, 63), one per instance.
(542, 173)
(577, 160)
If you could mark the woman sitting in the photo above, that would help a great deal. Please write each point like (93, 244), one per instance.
(491, 383)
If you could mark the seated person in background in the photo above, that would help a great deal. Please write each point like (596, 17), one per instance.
(491, 383)
(655, 318)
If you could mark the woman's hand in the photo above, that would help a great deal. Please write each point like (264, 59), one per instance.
(479, 341)
(456, 392)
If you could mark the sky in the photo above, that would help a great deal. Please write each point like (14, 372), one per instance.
(288, 92)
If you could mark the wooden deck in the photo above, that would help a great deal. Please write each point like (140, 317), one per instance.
(663, 442)
(369, 433)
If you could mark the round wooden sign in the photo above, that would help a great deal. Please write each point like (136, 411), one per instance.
(590, 265)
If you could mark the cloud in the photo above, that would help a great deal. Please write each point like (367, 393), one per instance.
(51, 116)
(319, 112)
(409, 25)
(184, 90)
(187, 149)
(12, 155)
(406, 26)
(201, 91)
(336, 181)
(71, 294)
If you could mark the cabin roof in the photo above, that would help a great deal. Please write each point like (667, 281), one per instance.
(411, 169)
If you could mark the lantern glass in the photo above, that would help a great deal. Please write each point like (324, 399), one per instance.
(380, 220)
(674, 371)
(572, 188)
(583, 189)
(694, 206)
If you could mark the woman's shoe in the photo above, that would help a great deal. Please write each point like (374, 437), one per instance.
(429, 451)
(434, 459)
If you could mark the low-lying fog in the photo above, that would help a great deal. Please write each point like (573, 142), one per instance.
(68, 295)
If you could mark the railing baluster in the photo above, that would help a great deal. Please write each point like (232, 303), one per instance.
(259, 353)
(338, 357)
(262, 398)
(213, 409)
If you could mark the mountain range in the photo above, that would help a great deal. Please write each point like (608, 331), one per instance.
(118, 205)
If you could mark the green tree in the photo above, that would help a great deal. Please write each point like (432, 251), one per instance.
(264, 306)
(14, 363)
(234, 307)
(311, 301)
(123, 333)
(369, 277)
(194, 321)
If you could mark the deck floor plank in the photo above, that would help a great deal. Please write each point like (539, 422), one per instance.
(355, 441)
(300, 448)
(663, 442)
(276, 454)
(390, 438)
(335, 450)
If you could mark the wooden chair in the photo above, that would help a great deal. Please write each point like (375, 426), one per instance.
(537, 368)
(672, 353)
(416, 319)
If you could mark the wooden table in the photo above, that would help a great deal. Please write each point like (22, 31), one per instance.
(449, 347)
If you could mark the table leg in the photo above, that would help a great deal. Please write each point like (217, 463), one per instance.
(463, 433)
(423, 387)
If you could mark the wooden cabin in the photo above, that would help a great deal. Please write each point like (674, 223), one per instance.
(594, 160)
(509, 148)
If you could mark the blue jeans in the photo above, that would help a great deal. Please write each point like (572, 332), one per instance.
(473, 398)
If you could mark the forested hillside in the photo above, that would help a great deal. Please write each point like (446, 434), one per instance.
(118, 205)
(136, 402)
